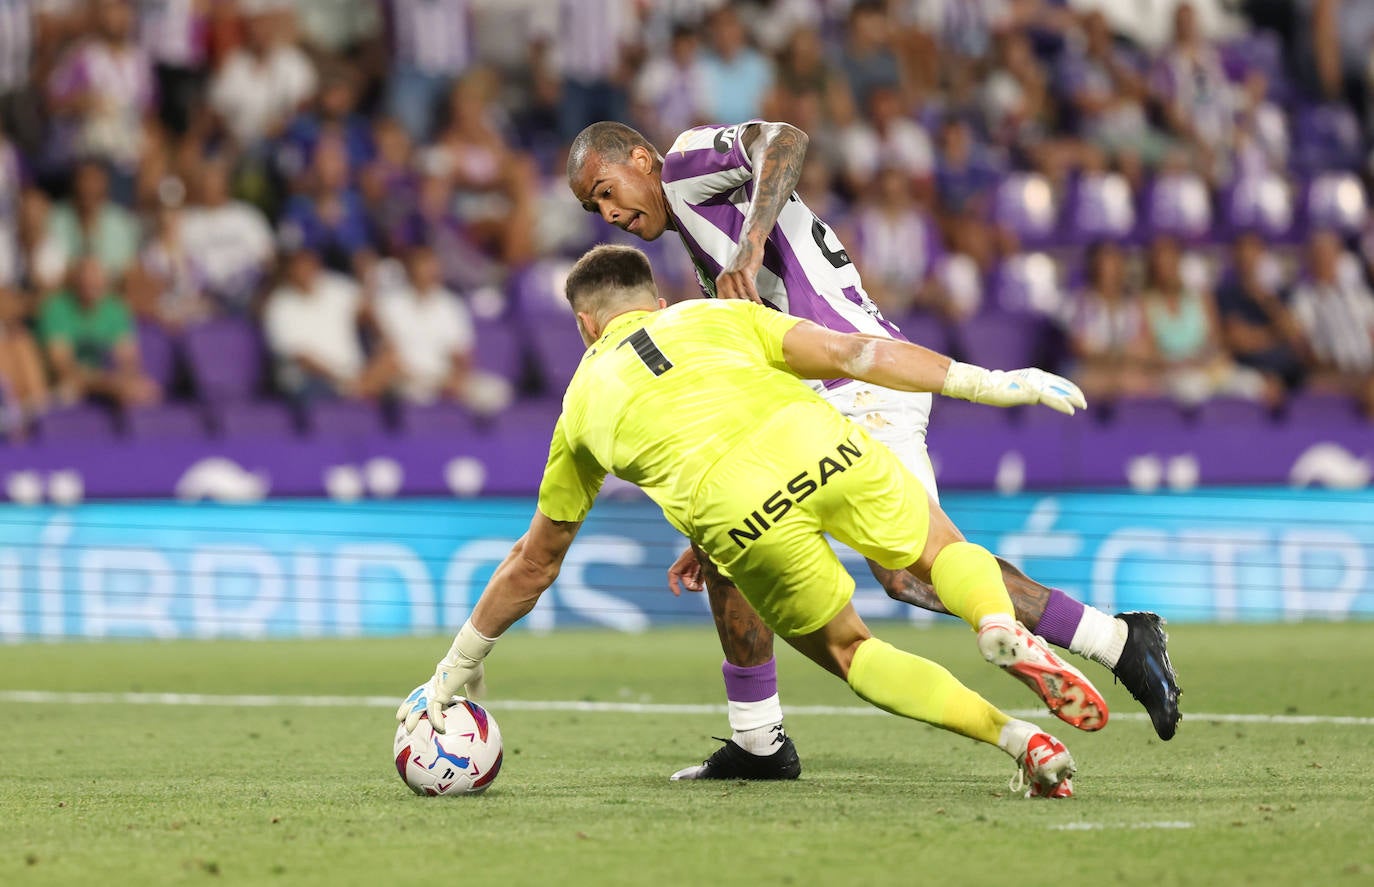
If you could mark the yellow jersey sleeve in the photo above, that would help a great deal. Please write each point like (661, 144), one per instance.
(769, 327)
(571, 480)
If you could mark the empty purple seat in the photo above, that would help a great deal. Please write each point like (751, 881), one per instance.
(436, 419)
(79, 422)
(1262, 203)
(498, 349)
(226, 358)
(164, 421)
(1327, 137)
(1178, 204)
(344, 418)
(557, 346)
(1027, 283)
(268, 419)
(1147, 414)
(1102, 208)
(1002, 341)
(1228, 412)
(1336, 201)
(158, 351)
(1025, 205)
(534, 417)
(925, 330)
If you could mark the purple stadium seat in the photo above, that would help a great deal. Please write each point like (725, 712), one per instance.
(1002, 341)
(1148, 413)
(557, 346)
(1318, 411)
(268, 419)
(344, 418)
(535, 416)
(949, 413)
(226, 358)
(169, 420)
(1027, 283)
(158, 351)
(1101, 208)
(436, 419)
(1263, 203)
(926, 330)
(1336, 200)
(498, 349)
(1327, 137)
(1228, 412)
(83, 421)
(1025, 205)
(1178, 204)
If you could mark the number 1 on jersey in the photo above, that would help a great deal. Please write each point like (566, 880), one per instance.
(648, 352)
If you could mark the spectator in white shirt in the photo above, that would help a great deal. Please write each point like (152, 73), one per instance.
(313, 325)
(231, 239)
(430, 331)
(886, 138)
(1335, 308)
(262, 84)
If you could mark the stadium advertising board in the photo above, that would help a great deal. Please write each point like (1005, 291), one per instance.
(313, 568)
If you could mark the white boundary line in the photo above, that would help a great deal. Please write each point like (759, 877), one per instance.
(50, 697)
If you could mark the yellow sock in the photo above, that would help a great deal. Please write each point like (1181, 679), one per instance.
(969, 583)
(917, 688)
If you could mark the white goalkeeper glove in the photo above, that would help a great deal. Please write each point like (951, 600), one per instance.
(1010, 388)
(458, 674)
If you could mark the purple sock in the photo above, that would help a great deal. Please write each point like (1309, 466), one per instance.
(752, 684)
(1060, 619)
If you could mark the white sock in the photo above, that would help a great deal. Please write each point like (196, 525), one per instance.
(1099, 637)
(1016, 736)
(757, 725)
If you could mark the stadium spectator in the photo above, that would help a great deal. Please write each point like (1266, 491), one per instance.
(263, 83)
(90, 223)
(40, 259)
(1107, 335)
(431, 46)
(671, 92)
(19, 109)
(965, 174)
(102, 94)
(1182, 321)
(868, 61)
(231, 239)
(312, 321)
(335, 114)
(897, 247)
(389, 184)
(88, 335)
(175, 34)
(1193, 93)
(737, 76)
(1335, 308)
(494, 185)
(23, 386)
(805, 73)
(430, 331)
(334, 30)
(885, 139)
(589, 45)
(1102, 82)
(1256, 324)
(328, 218)
(168, 284)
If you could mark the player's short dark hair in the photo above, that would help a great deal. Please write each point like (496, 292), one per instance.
(608, 270)
(609, 140)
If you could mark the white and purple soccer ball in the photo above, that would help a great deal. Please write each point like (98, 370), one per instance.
(462, 761)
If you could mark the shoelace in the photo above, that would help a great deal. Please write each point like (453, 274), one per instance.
(1018, 782)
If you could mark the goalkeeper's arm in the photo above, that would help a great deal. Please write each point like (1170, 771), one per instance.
(814, 352)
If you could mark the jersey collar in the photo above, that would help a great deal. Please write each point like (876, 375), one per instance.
(620, 321)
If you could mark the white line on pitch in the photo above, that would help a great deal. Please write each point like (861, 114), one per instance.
(49, 697)
(1098, 826)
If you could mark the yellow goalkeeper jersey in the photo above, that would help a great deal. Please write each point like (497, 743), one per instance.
(662, 396)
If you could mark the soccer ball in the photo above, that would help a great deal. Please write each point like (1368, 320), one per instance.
(462, 761)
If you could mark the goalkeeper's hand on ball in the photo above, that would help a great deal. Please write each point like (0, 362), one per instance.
(459, 673)
(1010, 388)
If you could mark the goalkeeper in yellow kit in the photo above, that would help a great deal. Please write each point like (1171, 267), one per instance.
(702, 405)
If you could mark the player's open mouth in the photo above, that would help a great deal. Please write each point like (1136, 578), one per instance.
(639, 217)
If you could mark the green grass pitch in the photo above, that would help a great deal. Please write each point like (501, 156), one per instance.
(149, 794)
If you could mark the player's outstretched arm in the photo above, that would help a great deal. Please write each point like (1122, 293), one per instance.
(814, 352)
(776, 151)
(525, 574)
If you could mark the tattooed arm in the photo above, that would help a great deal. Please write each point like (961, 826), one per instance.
(776, 151)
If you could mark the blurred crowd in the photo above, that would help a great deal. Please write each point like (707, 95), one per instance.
(1171, 198)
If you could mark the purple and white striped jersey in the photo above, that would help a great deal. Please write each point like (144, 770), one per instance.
(434, 36)
(709, 182)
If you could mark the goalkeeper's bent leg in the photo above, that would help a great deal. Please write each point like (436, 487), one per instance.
(908, 685)
(968, 580)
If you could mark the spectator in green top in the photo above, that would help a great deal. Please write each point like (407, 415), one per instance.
(90, 223)
(88, 336)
